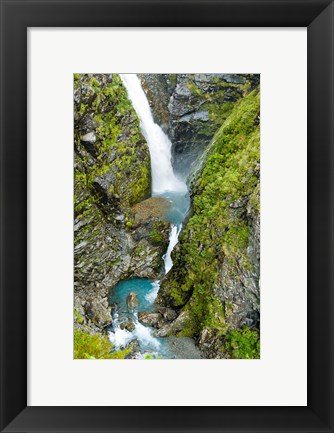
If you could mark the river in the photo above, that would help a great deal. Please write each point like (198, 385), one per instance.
(164, 184)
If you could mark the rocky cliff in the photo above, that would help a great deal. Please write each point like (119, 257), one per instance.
(191, 108)
(214, 283)
(114, 237)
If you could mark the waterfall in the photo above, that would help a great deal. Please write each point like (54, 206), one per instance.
(173, 239)
(153, 293)
(164, 183)
(163, 177)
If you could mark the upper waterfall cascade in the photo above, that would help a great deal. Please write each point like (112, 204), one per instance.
(163, 177)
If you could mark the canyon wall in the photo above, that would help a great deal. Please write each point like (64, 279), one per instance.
(214, 283)
(191, 107)
(118, 231)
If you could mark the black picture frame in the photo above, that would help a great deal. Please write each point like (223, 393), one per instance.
(16, 17)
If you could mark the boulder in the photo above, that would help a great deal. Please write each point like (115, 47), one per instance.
(173, 328)
(150, 319)
(129, 325)
(168, 313)
(132, 301)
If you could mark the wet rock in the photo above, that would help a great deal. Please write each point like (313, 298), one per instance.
(200, 115)
(80, 247)
(187, 106)
(168, 313)
(173, 327)
(183, 348)
(159, 88)
(129, 325)
(206, 337)
(132, 301)
(98, 311)
(150, 319)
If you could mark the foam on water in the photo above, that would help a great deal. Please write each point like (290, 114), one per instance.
(146, 291)
(173, 239)
(151, 295)
(120, 338)
(145, 336)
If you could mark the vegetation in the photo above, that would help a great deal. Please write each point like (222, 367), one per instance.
(114, 157)
(217, 233)
(243, 343)
(88, 346)
(218, 101)
(156, 234)
(150, 356)
(78, 318)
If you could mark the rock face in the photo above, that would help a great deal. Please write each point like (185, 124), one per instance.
(111, 176)
(191, 107)
(214, 283)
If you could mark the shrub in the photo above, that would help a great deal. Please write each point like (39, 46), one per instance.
(96, 346)
(243, 343)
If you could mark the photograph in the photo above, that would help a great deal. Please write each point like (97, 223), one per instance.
(166, 216)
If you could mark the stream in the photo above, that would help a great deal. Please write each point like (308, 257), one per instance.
(126, 327)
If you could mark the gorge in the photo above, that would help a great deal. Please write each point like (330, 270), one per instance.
(141, 187)
(126, 326)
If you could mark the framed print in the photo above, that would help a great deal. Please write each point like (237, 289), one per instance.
(131, 269)
(130, 337)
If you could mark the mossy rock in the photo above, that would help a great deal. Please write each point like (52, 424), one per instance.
(213, 265)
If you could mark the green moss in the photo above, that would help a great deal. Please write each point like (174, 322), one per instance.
(115, 262)
(121, 354)
(149, 356)
(242, 344)
(88, 346)
(189, 328)
(119, 150)
(156, 235)
(217, 233)
(140, 250)
(173, 79)
(78, 317)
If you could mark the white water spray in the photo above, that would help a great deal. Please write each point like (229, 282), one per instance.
(120, 338)
(163, 177)
(152, 294)
(173, 239)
